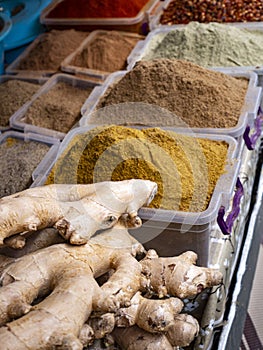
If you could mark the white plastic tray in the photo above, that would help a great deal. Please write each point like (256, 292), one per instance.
(68, 67)
(247, 116)
(17, 122)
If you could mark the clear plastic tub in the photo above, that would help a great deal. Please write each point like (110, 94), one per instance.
(68, 66)
(155, 15)
(247, 116)
(51, 142)
(13, 68)
(40, 40)
(137, 24)
(17, 119)
(154, 23)
(171, 232)
(4, 78)
(142, 47)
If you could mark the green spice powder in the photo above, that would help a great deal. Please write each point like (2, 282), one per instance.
(185, 168)
(209, 44)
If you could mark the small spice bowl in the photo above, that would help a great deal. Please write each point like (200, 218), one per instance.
(54, 109)
(69, 66)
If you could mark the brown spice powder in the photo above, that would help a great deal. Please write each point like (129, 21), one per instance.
(57, 109)
(198, 96)
(185, 168)
(13, 94)
(51, 49)
(108, 52)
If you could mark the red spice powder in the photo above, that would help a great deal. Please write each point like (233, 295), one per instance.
(97, 9)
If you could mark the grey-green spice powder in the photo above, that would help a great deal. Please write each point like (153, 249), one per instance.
(209, 45)
(18, 161)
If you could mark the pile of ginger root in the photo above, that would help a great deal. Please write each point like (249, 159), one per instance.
(71, 274)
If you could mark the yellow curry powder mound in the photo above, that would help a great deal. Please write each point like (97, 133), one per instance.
(186, 168)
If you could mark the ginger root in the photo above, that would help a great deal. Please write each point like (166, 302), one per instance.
(76, 211)
(51, 297)
(176, 276)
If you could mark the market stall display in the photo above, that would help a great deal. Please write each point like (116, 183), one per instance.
(136, 212)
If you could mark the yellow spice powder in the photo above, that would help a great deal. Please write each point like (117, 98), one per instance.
(185, 168)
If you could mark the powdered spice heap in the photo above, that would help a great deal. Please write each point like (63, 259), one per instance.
(209, 45)
(13, 94)
(57, 109)
(18, 161)
(199, 96)
(108, 52)
(51, 49)
(186, 169)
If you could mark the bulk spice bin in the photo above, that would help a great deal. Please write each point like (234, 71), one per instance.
(52, 114)
(18, 95)
(170, 232)
(248, 117)
(88, 15)
(43, 57)
(19, 177)
(78, 62)
(174, 12)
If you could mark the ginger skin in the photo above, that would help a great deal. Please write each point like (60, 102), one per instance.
(176, 276)
(50, 298)
(77, 211)
(64, 275)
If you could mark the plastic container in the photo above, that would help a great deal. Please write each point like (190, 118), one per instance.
(157, 11)
(68, 67)
(137, 24)
(154, 23)
(17, 119)
(13, 68)
(52, 142)
(172, 232)
(247, 117)
(142, 47)
(4, 78)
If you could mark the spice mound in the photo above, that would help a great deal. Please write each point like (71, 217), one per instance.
(18, 161)
(50, 49)
(108, 51)
(185, 168)
(212, 44)
(185, 11)
(200, 97)
(96, 9)
(13, 94)
(57, 109)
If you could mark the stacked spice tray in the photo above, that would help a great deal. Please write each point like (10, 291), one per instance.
(79, 63)
(170, 232)
(15, 91)
(248, 119)
(239, 44)
(21, 154)
(62, 14)
(55, 108)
